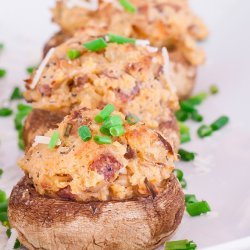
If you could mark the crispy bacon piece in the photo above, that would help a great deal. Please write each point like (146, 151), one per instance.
(166, 144)
(65, 193)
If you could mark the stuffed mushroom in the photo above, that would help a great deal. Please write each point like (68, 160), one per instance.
(164, 23)
(94, 186)
(131, 76)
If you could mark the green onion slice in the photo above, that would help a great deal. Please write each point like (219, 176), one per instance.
(73, 54)
(113, 121)
(128, 6)
(197, 208)
(53, 140)
(2, 73)
(96, 45)
(117, 131)
(1, 172)
(102, 139)
(105, 113)
(16, 94)
(5, 112)
(180, 245)
(219, 123)
(84, 133)
(112, 38)
(179, 174)
(132, 119)
(190, 198)
(195, 116)
(187, 106)
(181, 115)
(204, 131)
(197, 99)
(2, 196)
(31, 69)
(183, 183)
(185, 155)
(214, 89)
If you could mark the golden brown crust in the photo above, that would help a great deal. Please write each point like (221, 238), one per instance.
(48, 223)
(38, 122)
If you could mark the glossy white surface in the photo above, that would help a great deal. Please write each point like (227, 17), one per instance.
(223, 176)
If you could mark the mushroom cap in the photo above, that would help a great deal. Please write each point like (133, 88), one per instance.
(53, 223)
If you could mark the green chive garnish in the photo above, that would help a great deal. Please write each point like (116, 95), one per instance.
(214, 89)
(197, 99)
(128, 6)
(102, 139)
(3, 216)
(183, 183)
(132, 119)
(84, 133)
(105, 113)
(2, 73)
(105, 131)
(180, 245)
(117, 131)
(113, 121)
(3, 196)
(96, 45)
(5, 112)
(16, 94)
(179, 174)
(219, 123)
(195, 116)
(190, 198)
(197, 208)
(1, 172)
(187, 106)
(53, 140)
(30, 69)
(185, 155)
(3, 206)
(184, 132)
(73, 54)
(204, 131)
(181, 115)
(119, 39)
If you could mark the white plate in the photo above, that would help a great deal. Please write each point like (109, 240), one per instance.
(223, 174)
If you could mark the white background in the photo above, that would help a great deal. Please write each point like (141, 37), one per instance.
(221, 174)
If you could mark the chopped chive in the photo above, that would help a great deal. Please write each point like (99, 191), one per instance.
(3, 216)
(132, 119)
(84, 133)
(68, 130)
(204, 131)
(1, 172)
(190, 198)
(112, 121)
(8, 232)
(17, 244)
(184, 132)
(105, 113)
(180, 245)
(3, 206)
(105, 131)
(102, 139)
(179, 174)
(195, 116)
(219, 123)
(73, 54)
(2, 196)
(5, 112)
(197, 99)
(185, 155)
(96, 45)
(128, 6)
(187, 106)
(30, 69)
(2, 73)
(214, 89)
(117, 131)
(185, 137)
(183, 183)
(181, 115)
(24, 107)
(112, 38)
(197, 208)
(16, 94)
(183, 127)
(53, 140)
(21, 144)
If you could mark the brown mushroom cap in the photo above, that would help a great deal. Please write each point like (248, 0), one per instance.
(49, 223)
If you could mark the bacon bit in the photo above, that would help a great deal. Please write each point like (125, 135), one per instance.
(130, 154)
(166, 144)
(106, 165)
(65, 193)
(81, 81)
(45, 90)
(151, 188)
(127, 97)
